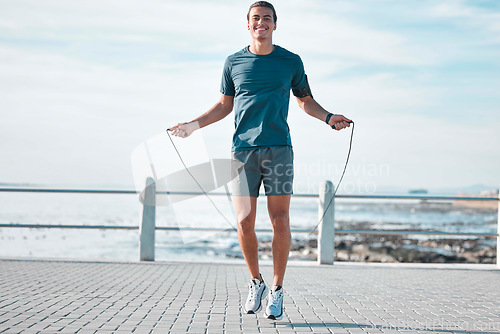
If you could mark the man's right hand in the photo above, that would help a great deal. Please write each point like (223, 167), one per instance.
(184, 129)
(339, 122)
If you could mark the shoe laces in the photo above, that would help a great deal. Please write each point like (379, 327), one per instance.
(254, 288)
(275, 295)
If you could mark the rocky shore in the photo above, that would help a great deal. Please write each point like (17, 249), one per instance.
(388, 249)
(404, 248)
(393, 249)
(408, 248)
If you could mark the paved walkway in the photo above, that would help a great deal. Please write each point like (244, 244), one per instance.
(179, 297)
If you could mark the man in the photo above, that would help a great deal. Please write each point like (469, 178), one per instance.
(256, 82)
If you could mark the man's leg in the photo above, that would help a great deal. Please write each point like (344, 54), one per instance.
(246, 208)
(245, 171)
(278, 207)
(245, 213)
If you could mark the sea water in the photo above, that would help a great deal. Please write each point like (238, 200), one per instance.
(126, 210)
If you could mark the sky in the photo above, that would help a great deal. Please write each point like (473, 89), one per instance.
(82, 84)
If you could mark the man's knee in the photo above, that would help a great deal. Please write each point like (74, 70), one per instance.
(281, 221)
(246, 226)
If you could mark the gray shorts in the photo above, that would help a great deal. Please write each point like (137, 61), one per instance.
(272, 166)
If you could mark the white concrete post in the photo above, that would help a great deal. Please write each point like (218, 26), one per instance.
(498, 231)
(326, 235)
(147, 228)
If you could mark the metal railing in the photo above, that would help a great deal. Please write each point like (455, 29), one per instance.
(326, 231)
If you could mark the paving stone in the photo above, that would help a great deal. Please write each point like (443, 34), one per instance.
(86, 297)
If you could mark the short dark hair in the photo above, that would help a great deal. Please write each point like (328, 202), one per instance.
(262, 4)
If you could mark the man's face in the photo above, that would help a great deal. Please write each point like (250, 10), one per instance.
(261, 23)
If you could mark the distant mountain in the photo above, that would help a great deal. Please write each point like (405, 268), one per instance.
(66, 186)
(445, 191)
(11, 184)
(473, 189)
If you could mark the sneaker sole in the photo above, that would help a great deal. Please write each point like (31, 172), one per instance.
(272, 317)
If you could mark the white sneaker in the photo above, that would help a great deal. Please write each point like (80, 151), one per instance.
(274, 309)
(257, 291)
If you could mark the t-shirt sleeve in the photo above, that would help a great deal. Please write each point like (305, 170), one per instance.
(227, 83)
(299, 80)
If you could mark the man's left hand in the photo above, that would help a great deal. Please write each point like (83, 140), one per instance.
(339, 122)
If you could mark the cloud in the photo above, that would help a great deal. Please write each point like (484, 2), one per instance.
(470, 14)
(84, 83)
(70, 115)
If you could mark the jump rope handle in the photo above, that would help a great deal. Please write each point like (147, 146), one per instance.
(350, 122)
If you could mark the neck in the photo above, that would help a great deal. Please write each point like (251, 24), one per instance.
(261, 47)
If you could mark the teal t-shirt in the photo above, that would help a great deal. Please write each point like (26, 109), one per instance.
(261, 87)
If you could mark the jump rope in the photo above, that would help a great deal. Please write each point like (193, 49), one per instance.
(227, 220)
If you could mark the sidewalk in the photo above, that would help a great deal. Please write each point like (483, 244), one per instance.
(178, 297)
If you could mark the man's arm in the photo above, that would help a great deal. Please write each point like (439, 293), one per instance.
(220, 110)
(312, 108)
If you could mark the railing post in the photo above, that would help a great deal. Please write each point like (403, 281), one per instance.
(147, 228)
(498, 231)
(326, 235)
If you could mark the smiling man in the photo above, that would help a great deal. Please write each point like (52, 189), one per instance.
(256, 84)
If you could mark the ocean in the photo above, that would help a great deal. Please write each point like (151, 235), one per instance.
(125, 209)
